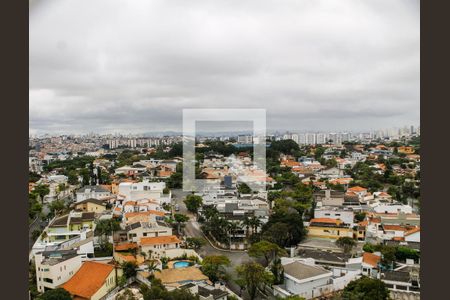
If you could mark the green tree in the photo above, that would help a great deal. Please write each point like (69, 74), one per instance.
(243, 188)
(346, 244)
(180, 218)
(193, 203)
(56, 207)
(157, 291)
(278, 271)
(129, 269)
(35, 234)
(284, 228)
(359, 217)
(267, 250)
(41, 190)
(195, 242)
(254, 276)
(33, 177)
(366, 288)
(56, 294)
(213, 267)
(106, 227)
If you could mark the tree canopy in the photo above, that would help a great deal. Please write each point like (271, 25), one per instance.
(366, 288)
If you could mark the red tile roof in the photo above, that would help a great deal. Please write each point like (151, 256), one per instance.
(357, 189)
(170, 239)
(88, 279)
(371, 259)
(325, 220)
(126, 246)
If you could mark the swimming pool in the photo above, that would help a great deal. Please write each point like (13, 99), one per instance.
(180, 264)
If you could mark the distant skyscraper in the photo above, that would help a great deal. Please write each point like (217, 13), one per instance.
(311, 138)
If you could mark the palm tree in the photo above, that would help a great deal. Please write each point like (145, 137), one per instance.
(255, 222)
(150, 254)
(233, 227)
(247, 223)
(152, 266)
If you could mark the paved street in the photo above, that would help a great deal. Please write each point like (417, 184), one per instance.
(192, 229)
(41, 223)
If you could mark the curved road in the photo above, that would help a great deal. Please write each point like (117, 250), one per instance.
(192, 229)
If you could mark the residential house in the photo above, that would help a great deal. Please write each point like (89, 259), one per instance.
(159, 244)
(393, 208)
(138, 230)
(370, 264)
(403, 282)
(143, 216)
(344, 214)
(54, 268)
(329, 228)
(144, 190)
(303, 280)
(206, 291)
(70, 225)
(92, 191)
(174, 278)
(329, 197)
(90, 205)
(92, 281)
(359, 191)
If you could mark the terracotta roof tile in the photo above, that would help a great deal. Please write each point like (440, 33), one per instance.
(325, 220)
(88, 279)
(170, 239)
(126, 246)
(357, 189)
(371, 259)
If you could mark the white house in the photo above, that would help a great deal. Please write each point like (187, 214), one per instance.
(346, 215)
(302, 277)
(144, 190)
(393, 208)
(138, 230)
(92, 191)
(303, 280)
(54, 268)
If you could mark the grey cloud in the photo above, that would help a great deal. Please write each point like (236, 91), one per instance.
(134, 65)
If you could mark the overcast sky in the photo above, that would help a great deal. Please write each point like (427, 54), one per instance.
(132, 66)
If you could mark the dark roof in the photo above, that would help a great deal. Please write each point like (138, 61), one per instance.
(133, 226)
(55, 257)
(403, 275)
(91, 200)
(60, 221)
(216, 293)
(396, 276)
(139, 166)
(95, 188)
(187, 286)
(85, 217)
(324, 256)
